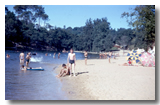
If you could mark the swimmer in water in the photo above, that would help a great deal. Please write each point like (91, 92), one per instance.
(54, 55)
(8, 56)
(59, 55)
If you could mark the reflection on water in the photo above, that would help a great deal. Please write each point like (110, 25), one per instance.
(35, 85)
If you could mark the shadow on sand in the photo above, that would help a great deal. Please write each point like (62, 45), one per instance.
(81, 73)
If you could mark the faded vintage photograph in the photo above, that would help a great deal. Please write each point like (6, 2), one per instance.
(79, 52)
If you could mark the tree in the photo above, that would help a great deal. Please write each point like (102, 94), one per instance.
(143, 20)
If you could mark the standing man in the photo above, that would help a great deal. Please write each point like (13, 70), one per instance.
(110, 54)
(85, 55)
(72, 62)
(21, 57)
(27, 59)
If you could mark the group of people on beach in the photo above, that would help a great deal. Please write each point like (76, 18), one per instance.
(106, 55)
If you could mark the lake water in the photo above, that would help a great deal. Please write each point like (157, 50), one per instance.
(35, 85)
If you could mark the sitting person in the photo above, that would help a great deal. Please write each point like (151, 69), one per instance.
(127, 64)
(64, 71)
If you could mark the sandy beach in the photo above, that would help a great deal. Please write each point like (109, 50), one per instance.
(101, 80)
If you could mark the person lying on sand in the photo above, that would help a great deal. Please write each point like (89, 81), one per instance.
(64, 71)
(128, 64)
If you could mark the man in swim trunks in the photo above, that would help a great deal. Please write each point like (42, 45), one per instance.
(86, 56)
(72, 61)
(21, 57)
(27, 59)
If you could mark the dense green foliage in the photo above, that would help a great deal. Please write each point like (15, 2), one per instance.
(96, 35)
(143, 20)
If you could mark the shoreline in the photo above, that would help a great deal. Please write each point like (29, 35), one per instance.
(100, 80)
(72, 90)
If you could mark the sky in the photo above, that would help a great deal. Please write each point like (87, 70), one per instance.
(77, 15)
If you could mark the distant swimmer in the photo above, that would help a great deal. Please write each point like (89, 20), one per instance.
(21, 57)
(71, 60)
(64, 71)
(54, 55)
(46, 54)
(8, 56)
(59, 55)
(86, 56)
(23, 67)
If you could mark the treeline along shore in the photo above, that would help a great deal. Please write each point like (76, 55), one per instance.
(28, 28)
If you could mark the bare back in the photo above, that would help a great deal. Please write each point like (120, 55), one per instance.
(21, 55)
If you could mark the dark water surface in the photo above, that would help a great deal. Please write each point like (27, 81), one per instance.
(35, 85)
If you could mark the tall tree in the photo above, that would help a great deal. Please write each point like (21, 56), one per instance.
(143, 20)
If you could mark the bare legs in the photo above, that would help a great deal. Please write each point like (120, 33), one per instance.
(72, 69)
(85, 61)
(109, 59)
(62, 73)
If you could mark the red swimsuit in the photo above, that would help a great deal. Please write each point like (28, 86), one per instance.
(129, 62)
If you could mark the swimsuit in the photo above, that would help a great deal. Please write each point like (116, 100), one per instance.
(71, 61)
(86, 57)
(27, 60)
(21, 57)
(129, 62)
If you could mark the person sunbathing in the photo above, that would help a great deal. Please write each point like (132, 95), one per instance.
(64, 71)
(127, 64)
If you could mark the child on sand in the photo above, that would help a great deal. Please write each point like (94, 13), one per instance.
(72, 61)
(64, 71)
